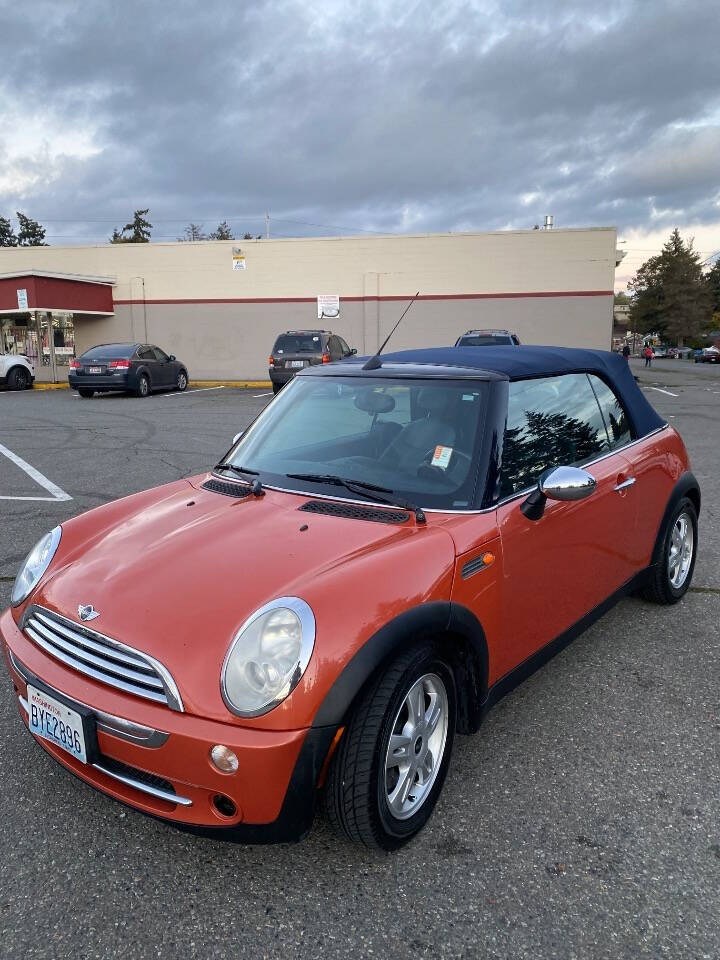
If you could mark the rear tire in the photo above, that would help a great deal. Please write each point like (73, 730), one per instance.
(276, 387)
(18, 379)
(143, 386)
(382, 796)
(672, 574)
(84, 392)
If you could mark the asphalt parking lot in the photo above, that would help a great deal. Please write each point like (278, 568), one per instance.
(583, 821)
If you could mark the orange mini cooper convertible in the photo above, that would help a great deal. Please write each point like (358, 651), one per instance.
(382, 555)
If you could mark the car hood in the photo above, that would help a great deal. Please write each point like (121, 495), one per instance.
(175, 571)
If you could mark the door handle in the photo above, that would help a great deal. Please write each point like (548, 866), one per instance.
(625, 484)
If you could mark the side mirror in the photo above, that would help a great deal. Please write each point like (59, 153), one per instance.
(172, 357)
(353, 352)
(558, 483)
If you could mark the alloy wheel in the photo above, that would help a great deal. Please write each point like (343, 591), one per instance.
(417, 745)
(682, 541)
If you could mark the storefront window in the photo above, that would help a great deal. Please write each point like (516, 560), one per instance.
(18, 335)
(64, 338)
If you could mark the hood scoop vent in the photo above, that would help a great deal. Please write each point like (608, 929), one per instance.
(351, 511)
(226, 488)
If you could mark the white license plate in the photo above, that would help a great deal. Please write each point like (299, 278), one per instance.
(296, 363)
(53, 721)
(94, 369)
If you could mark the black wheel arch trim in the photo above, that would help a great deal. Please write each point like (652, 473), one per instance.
(464, 634)
(686, 486)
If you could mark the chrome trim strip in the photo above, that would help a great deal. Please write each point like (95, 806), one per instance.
(144, 787)
(514, 496)
(119, 727)
(128, 781)
(90, 672)
(112, 669)
(172, 695)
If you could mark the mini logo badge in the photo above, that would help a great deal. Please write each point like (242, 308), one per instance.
(87, 612)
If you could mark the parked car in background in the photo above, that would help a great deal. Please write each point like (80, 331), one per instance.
(708, 355)
(138, 368)
(488, 338)
(297, 349)
(382, 555)
(660, 351)
(680, 353)
(16, 372)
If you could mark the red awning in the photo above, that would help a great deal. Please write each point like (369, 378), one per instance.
(55, 291)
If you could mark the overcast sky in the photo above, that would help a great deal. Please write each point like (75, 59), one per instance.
(340, 116)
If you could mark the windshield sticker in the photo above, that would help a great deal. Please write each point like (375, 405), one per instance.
(441, 457)
(469, 396)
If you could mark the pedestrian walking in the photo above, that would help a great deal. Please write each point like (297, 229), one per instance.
(648, 354)
(626, 352)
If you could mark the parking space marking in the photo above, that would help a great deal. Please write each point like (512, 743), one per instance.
(39, 478)
(256, 395)
(184, 393)
(660, 390)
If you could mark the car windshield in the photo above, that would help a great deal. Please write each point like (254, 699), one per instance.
(112, 350)
(416, 440)
(485, 340)
(298, 343)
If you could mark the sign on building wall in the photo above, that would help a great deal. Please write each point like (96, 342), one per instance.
(22, 300)
(328, 306)
(238, 258)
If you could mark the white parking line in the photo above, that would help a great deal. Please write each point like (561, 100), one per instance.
(660, 390)
(57, 493)
(184, 393)
(256, 395)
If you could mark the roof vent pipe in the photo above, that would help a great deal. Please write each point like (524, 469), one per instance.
(548, 222)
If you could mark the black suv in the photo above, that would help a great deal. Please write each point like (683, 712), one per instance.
(488, 338)
(304, 348)
(137, 368)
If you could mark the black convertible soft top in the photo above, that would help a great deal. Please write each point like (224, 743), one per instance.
(520, 363)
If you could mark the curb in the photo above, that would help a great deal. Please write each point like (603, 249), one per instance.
(238, 384)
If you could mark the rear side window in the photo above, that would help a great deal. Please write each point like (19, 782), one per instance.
(616, 420)
(298, 343)
(551, 422)
(111, 351)
(485, 340)
(146, 353)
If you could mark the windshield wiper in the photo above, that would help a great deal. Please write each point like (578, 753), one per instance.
(363, 488)
(231, 466)
(256, 487)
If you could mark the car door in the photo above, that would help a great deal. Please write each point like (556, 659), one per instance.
(334, 348)
(166, 369)
(558, 569)
(146, 355)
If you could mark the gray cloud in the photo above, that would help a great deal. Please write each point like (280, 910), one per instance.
(373, 116)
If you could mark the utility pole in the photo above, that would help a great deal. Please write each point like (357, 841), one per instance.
(267, 226)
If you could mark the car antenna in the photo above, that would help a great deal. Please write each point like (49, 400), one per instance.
(374, 362)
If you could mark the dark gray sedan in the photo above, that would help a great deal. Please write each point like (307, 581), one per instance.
(137, 368)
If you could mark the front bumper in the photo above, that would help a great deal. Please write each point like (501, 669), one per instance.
(158, 760)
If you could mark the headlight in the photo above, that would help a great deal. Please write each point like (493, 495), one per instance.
(35, 565)
(268, 656)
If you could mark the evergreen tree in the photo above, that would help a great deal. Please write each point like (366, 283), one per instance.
(712, 279)
(136, 232)
(193, 231)
(7, 234)
(223, 232)
(30, 234)
(670, 293)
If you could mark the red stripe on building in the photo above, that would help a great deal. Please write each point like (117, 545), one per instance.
(426, 296)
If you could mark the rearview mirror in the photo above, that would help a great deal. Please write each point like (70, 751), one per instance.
(558, 483)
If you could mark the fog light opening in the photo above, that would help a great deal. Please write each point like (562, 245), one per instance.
(224, 805)
(223, 759)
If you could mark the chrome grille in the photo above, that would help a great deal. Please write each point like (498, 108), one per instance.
(101, 657)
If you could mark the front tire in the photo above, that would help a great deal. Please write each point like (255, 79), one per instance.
(18, 379)
(182, 381)
(672, 574)
(390, 766)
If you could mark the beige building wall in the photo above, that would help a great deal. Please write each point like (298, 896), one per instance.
(549, 286)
